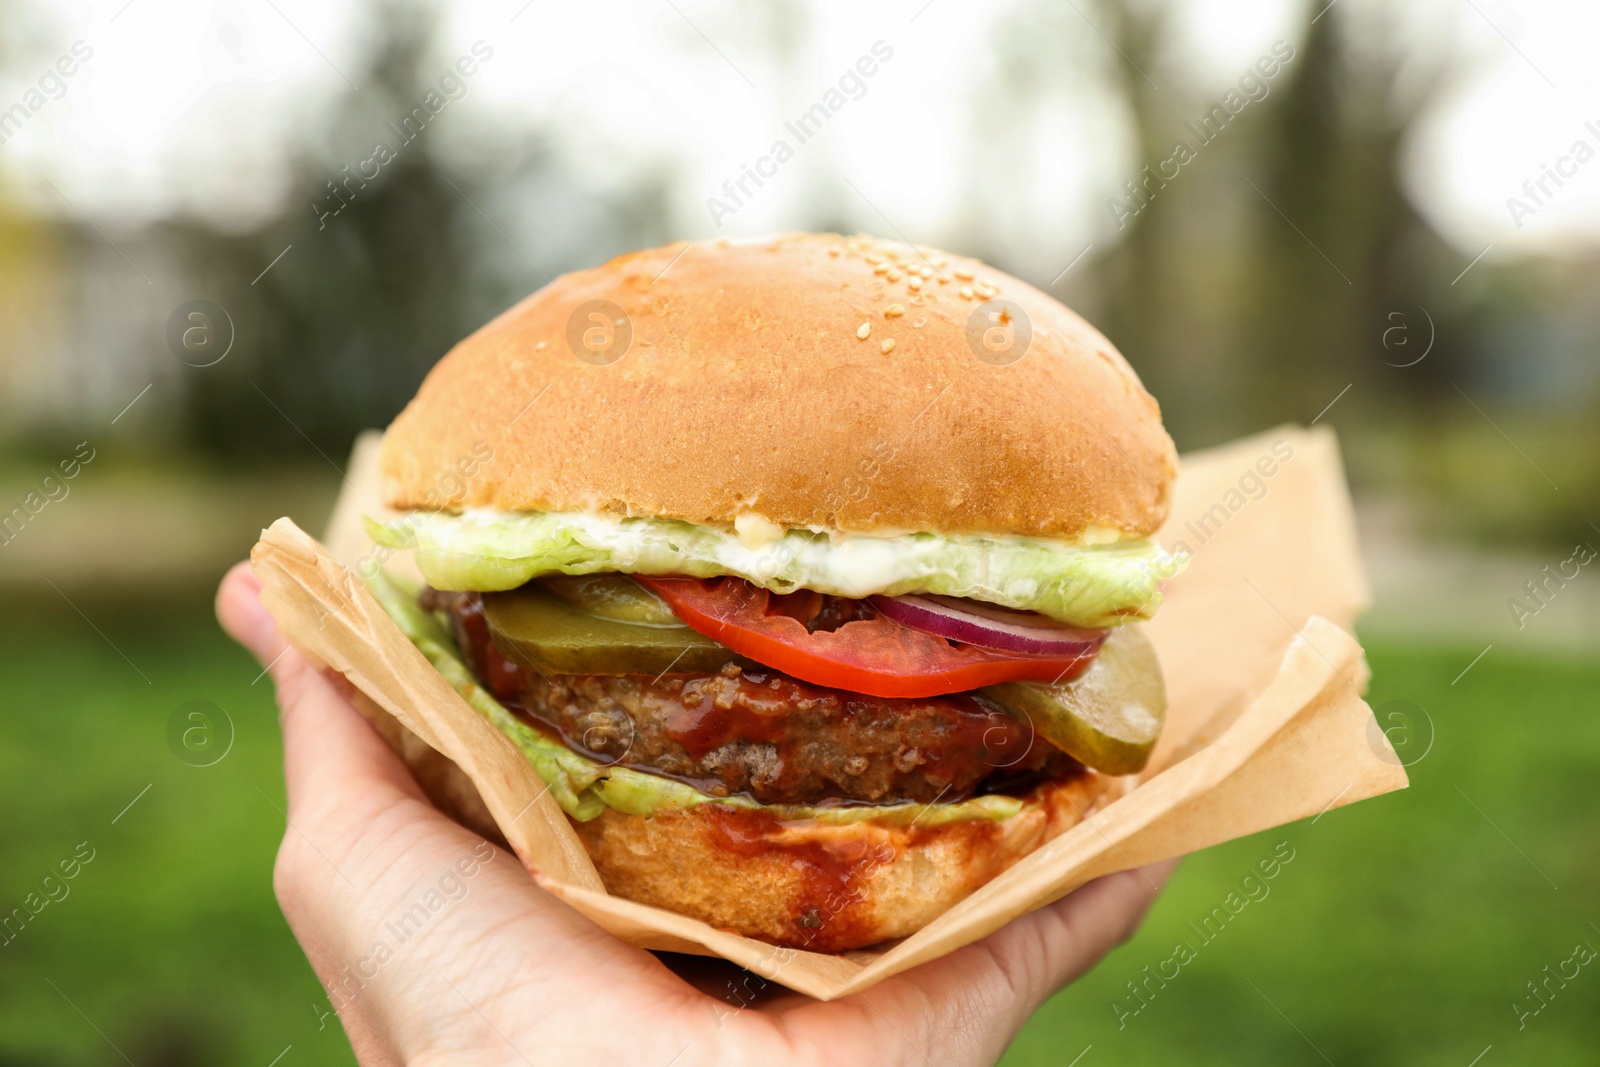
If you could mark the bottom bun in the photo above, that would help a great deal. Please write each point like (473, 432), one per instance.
(806, 885)
(824, 888)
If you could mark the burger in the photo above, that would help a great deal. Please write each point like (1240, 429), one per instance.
(806, 572)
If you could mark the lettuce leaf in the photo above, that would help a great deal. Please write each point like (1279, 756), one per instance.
(1083, 585)
(584, 788)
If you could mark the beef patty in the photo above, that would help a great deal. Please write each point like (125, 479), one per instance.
(764, 734)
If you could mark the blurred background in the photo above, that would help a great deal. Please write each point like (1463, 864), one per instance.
(1381, 218)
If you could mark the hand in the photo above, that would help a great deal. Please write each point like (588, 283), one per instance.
(437, 948)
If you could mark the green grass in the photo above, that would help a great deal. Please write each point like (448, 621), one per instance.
(1405, 927)
(1400, 933)
(169, 940)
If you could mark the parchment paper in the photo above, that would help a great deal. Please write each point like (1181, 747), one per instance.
(1265, 725)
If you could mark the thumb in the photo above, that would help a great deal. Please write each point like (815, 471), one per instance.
(334, 761)
(974, 1001)
(359, 828)
(1045, 949)
(242, 616)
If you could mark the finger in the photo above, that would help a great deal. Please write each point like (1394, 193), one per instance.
(353, 803)
(971, 1003)
(360, 832)
(242, 616)
(1045, 949)
(333, 759)
(368, 863)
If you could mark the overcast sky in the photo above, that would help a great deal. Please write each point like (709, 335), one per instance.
(189, 108)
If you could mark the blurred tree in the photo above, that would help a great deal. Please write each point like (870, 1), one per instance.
(1255, 284)
(1249, 288)
(338, 335)
(340, 331)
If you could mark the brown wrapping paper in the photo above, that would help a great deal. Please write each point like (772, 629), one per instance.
(1266, 723)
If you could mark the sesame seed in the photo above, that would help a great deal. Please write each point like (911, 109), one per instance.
(918, 324)
(894, 275)
(866, 328)
(894, 311)
(963, 273)
(874, 258)
(914, 282)
(943, 280)
(888, 346)
(966, 292)
(985, 290)
(540, 346)
(833, 251)
(881, 268)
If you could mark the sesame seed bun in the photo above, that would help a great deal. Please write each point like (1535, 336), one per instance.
(817, 381)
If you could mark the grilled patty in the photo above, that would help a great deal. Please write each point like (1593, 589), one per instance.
(764, 734)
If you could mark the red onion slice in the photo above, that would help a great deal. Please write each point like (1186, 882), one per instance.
(989, 625)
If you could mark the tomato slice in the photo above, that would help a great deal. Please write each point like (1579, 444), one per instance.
(876, 656)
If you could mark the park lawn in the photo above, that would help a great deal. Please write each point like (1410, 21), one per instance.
(1401, 931)
(169, 940)
(1406, 927)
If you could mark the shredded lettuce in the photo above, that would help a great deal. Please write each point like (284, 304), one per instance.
(1083, 585)
(584, 788)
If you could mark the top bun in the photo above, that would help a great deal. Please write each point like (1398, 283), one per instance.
(709, 380)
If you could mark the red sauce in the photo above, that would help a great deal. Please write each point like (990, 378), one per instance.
(831, 877)
(504, 679)
(826, 912)
(823, 745)
(705, 718)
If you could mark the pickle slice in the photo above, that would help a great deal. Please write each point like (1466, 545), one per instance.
(530, 626)
(610, 596)
(1110, 716)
